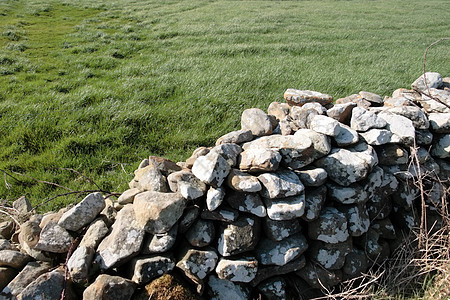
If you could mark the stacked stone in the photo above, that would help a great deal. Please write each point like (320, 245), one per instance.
(306, 195)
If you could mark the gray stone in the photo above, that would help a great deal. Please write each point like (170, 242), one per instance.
(406, 219)
(274, 289)
(444, 167)
(414, 113)
(370, 243)
(96, 232)
(346, 136)
(311, 176)
(229, 151)
(83, 213)
(109, 287)
(123, 242)
(201, 233)
(157, 212)
(202, 151)
(146, 269)
(373, 98)
(279, 230)
(160, 242)
(424, 137)
(150, 178)
(397, 101)
(211, 169)
(357, 218)
(280, 184)
(6, 275)
(226, 289)
(352, 194)
(7, 229)
(22, 205)
(185, 183)
(374, 181)
(266, 272)
(355, 263)
(325, 125)
(366, 153)
(144, 163)
(430, 80)
(433, 106)
(405, 194)
(316, 106)
(237, 270)
(330, 256)
(164, 165)
(318, 277)
(223, 214)
(128, 196)
(29, 237)
(257, 121)
(6, 245)
(440, 122)
(344, 167)
(49, 284)
(301, 118)
(196, 264)
(391, 155)
(214, 197)
(376, 137)
(282, 252)
(247, 202)
(288, 208)
(279, 110)
(54, 238)
(259, 160)
(330, 227)
(243, 182)
(400, 126)
(363, 120)
(80, 263)
(320, 142)
(314, 200)
(385, 228)
(300, 97)
(341, 112)
(238, 237)
(237, 137)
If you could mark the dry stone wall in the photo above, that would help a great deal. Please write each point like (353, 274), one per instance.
(300, 198)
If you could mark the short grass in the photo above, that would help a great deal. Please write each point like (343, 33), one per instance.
(98, 85)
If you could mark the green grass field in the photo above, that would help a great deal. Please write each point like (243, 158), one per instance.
(98, 85)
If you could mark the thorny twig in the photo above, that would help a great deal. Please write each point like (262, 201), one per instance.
(82, 175)
(43, 181)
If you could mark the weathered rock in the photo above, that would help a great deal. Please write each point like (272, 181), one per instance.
(343, 166)
(229, 151)
(376, 137)
(374, 99)
(430, 80)
(341, 112)
(280, 184)
(279, 230)
(316, 106)
(300, 118)
(432, 106)
(288, 208)
(257, 121)
(330, 227)
(6, 275)
(414, 113)
(282, 252)
(6, 245)
(7, 229)
(214, 197)
(390, 155)
(355, 263)
(265, 272)
(346, 136)
(150, 178)
(202, 151)
(247, 202)
(211, 169)
(298, 97)
(54, 238)
(80, 262)
(49, 284)
(238, 237)
(145, 162)
(123, 242)
(185, 182)
(330, 256)
(128, 196)
(318, 277)
(274, 289)
(279, 110)
(311, 176)
(397, 101)
(144, 270)
(325, 125)
(320, 142)
(95, 233)
(196, 264)
(440, 123)
(28, 238)
(374, 180)
(109, 287)
(363, 120)
(354, 193)
(366, 153)
(201, 233)
(259, 160)
(424, 137)
(160, 242)
(83, 213)
(22, 205)
(243, 182)
(385, 228)
(314, 200)
(400, 126)
(164, 165)
(223, 214)
(157, 212)
(237, 137)
(226, 289)
(357, 218)
(237, 270)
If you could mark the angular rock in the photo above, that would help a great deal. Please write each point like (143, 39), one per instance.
(318, 277)
(430, 80)
(196, 264)
(423, 137)
(440, 122)
(202, 151)
(300, 118)
(214, 197)
(352, 194)
(341, 112)
(330, 256)
(185, 182)
(325, 125)
(274, 289)
(414, 113)
(54, 238)
(96, 232)
(346, 136)
(279, 110)
(6, 245)
(22, 205)
(373, 98)
(366, 153)
(311, 176)
(265, 272)
(259, 160)
(226, 289)
(201, 233)
(344, 167)
(391, 155)
(243, 182)
(363, 120)
(150, 178)
(164, 165)
(80, 262)
(279, 230)
(280, 253)
(29, 237)
(376, 137)
(247, 202)
(257, 121)
(123, 242)
(237, 137)
(320, 142)
(238, 237)
(48, 284)
(228, 151)
(330, 227)
(400, 126)
(300, 97)
(280, 184)
(433, 106)
(109, 287)
(316, 106)
(288, 208)
(237, 270)
(128, 196)
(223, 214)
(83, 213)
(7, 229)
(145, 270)
(355, 263)
(157, 212)
(211, 169)
(314, 200)
(160, 242)
(357, 218)
(6, 275)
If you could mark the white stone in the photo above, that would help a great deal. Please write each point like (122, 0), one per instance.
(325, 125)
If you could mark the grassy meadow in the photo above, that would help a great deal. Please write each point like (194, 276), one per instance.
(96, 86)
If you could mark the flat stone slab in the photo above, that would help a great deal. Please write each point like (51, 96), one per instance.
(300, 97)
(288, 208)
(280, 184)
(281, 252)
(237, 270)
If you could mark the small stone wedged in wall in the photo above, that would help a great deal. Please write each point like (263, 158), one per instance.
(298, 199)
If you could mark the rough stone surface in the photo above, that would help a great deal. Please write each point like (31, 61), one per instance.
(330, 256)
(237, 137)
(243, 182)
(354, 193)
(341, 112)
(440, 123)
(196, 264)
(441, 148)
(214, 197)
(145, 270)
(239, 237)
(390, 155)
(185, 182)
(54, 238)
(400, 126)
(128, 196)
(22, 205)
(347, 136)
(7, 229)
(6, 275)
(226, 289)
(318, 277)
(300, 97)
(211, 169)
(94, 234)
(80, 262)
(160, 242)
(376, 137)
(430, 80)
(149, 178)
(247, 202)
(259, 160)
(279, 230)
(415, 114)
(325, 125)
(49, 284)
(330, 227)
(312, 176)
(229, 151)
(314, 200)
(257, 121)
(280, 184)
(109, 287)
(201, 233)
(237, 270)
(363, 120)
(373, 98)
(280, 253)
(288, 208)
